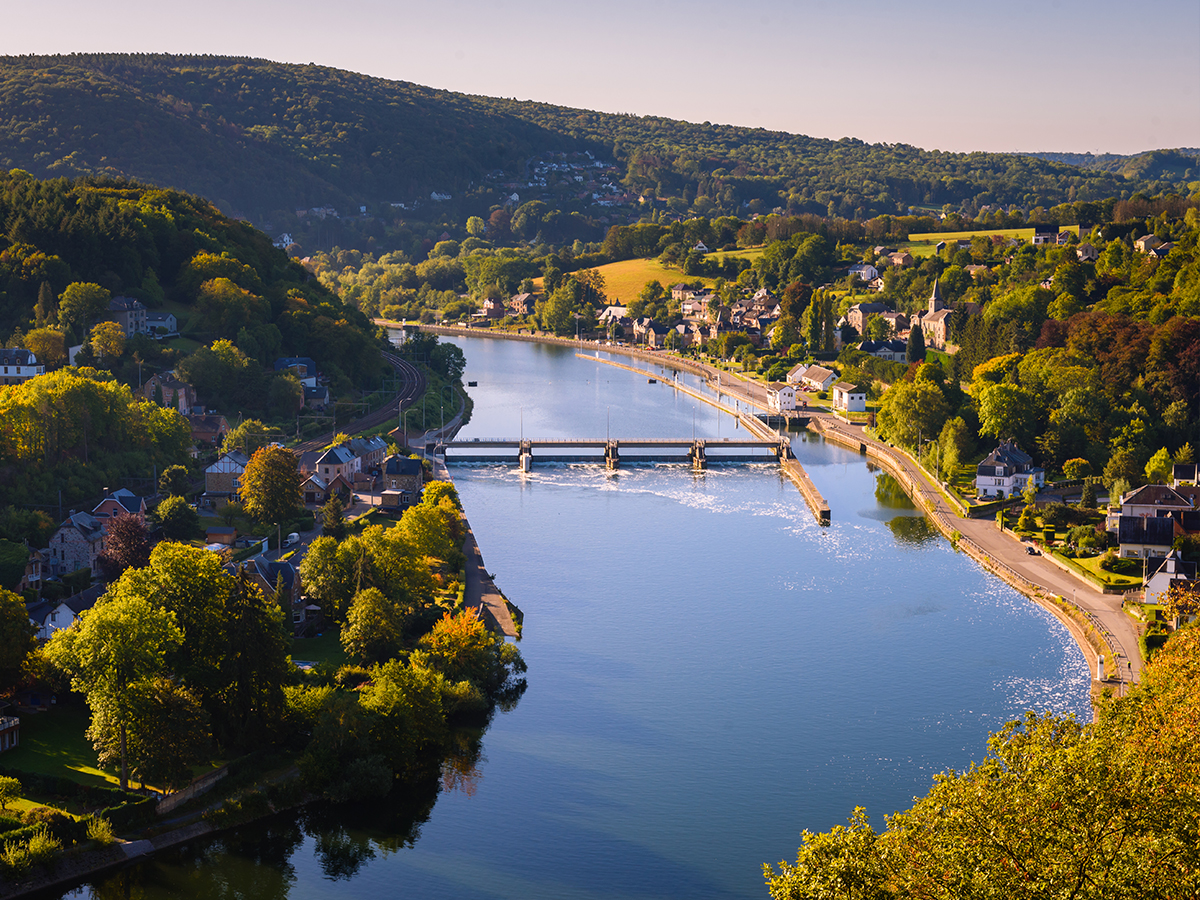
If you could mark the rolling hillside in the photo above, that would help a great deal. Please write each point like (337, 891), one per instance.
(261, 139)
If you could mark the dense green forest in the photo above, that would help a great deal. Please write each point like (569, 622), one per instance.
(68, 247)
(262, 139)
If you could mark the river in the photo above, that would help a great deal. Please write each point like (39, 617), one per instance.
(710, 672)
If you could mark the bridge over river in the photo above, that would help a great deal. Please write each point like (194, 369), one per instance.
(614, 451)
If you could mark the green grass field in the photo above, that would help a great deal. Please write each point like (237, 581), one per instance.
(53, 743)
(923, 244)
(327, 648)
(623, 280)
(751, 254)
(1091, 565)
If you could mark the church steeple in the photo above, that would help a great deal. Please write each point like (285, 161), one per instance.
(935, 299)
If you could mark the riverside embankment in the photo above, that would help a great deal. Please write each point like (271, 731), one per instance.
(673, 612)
(1097, 622)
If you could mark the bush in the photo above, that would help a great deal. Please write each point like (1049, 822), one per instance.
(44, 815)
(42, 848)
(1108, 562)
(100, 831)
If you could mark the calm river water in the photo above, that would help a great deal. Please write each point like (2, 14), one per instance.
(709, 671)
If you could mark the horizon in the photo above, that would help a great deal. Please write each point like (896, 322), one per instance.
(937, 77)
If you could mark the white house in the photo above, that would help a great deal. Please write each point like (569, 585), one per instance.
(1143, 537)
(1161, 571)
(849, 397)
(819, 378)
(1154, 500)
(795, 374)
(18, 365)
(781, 396)
(1006, 471)
(49, 616)
(161, 323)
(864, 271)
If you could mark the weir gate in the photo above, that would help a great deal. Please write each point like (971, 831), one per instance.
(612, 451)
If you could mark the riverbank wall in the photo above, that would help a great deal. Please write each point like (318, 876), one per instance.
(1093, 639)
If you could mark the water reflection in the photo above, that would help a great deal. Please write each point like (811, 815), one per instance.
(888, 492)
(912, 530)
(245, 863)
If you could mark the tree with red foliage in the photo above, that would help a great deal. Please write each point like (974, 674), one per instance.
(126, 546)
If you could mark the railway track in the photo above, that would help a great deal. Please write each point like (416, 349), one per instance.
(412, 386)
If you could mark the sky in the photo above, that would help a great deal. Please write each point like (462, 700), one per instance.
(1058, 75)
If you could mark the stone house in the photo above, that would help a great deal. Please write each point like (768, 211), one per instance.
(77, 544)
(223, 478)
(130, 314)
(175, 393)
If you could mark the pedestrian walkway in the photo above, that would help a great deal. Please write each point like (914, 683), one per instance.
(480, 591)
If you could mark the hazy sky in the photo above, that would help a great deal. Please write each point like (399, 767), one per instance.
(1098, 76)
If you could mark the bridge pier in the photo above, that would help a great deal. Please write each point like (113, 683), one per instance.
(612, 455)
(783, 450)
(699, 460)
(526, 456)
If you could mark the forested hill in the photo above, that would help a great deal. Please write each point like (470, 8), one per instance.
(1181, 165)
(259, 138)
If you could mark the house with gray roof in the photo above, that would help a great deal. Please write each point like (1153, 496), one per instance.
(1006, 471)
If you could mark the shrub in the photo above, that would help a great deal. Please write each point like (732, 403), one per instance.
(44, 815)
(14, 859)
(100, 831)
(1056, 514)
(1108, 562)
(42, 848)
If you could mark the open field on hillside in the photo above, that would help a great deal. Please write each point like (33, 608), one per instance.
(751, 254)
(923, 244)
(623, 280)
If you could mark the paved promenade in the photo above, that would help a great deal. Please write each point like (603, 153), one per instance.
(1001, 553)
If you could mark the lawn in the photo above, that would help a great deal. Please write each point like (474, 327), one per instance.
(372, 517)
(325, 648)
(53, 743)
(751, 254)
(923, 244)
(623, 280)
(1091, 565)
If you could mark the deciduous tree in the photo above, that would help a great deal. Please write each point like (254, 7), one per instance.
(108, 340)
(174, 481)
(80, 303)
(126, 545)
(270, 486)
(178, 520)
(119, 645)
(18, 639)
